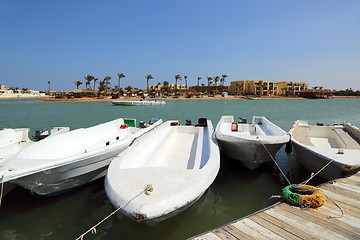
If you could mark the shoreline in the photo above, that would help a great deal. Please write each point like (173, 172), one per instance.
(109, 99)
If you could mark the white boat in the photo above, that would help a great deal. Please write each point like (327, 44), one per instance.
(142, 102)
(245, 142)
(179, 162)
(316, 146)
(12, 140)
(71, 159)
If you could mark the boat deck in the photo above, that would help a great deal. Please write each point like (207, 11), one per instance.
(283, 221)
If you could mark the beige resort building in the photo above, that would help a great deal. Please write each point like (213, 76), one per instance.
(266, 88)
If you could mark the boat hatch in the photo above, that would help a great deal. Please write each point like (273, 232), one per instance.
(130, 122)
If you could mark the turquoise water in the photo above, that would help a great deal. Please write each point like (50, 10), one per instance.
(235, 193)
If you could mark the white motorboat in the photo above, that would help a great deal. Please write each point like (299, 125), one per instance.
(12, 140)
(142, 102)
(317, 146)
(245, 142)
(71, 159)
(178, 162)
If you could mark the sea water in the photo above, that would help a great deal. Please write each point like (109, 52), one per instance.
(235, 193)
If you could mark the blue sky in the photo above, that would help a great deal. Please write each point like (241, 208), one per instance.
(62, 41)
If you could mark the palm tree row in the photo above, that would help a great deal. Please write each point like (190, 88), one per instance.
(104, 84)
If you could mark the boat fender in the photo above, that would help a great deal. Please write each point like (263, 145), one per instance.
(123, 126)
(234, 127)
(304, 196)
(288, 148)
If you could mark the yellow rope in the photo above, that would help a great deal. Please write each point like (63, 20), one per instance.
(146, 190)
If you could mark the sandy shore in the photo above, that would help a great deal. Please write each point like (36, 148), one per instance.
(109, 99)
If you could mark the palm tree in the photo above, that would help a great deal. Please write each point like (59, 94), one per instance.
(107, 83)
(199, 78)
(78, 83)
(185, 77)
(148, 77)
(88, 79)
(120, 75)
(95, 79)
(165, 84)
(209, 82)
(177, 77)
(222, 80)
(49, 85)
(216, 80)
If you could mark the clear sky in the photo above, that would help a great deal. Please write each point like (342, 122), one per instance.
(317, 41)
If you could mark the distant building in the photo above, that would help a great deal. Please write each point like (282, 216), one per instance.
(266, 88)
(158, 87)
(2, 87)
(291, 88)
(254, 87)
(315, 93)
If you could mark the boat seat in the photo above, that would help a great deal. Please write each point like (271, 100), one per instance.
(350, 142)
(303, 135)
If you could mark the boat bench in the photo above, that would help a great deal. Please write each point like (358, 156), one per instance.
(303, 135)
(350, 142)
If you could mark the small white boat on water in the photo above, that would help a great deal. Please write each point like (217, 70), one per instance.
(71, 159)
(317, 146)
(178, 162)
(142, 102)
(245, 142)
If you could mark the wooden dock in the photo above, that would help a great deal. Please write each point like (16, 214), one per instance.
(283, 221)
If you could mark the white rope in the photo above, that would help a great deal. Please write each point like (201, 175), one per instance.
(2, 188)
(274, 161)
(146, 190)
(313, 175)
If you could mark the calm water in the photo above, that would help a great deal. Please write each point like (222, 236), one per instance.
(235, 193)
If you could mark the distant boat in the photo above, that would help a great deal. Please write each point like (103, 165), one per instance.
(244, 141)
(317, 146)
(179, 162)
(142, 102)
(71, 159)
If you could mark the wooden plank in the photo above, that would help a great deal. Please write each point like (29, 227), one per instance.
(278, 230)
(286, 226)
(342, 198)
(350, 181)
(347, 209)
(349, 187)
(354, 221)
(207, 236)
(224, 234)
(341, 227)
(236, 232)
(248, 231)
(304, 225)
(259, 228)
(339, 190)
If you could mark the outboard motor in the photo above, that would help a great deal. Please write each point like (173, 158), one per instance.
(41, 134)
(202, 122)
(142, 124)
(242, 120)
(319, 124)
(187, 122)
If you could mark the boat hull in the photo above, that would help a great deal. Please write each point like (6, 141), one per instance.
(251, 155)
(64, 178)
(314, 161)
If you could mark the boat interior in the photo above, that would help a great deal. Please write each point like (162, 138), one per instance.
(339, 136)
(259, 127)
(173, 146)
